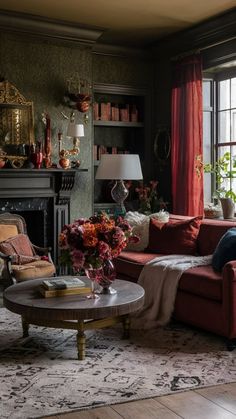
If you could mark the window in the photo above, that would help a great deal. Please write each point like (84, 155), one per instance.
(219, 124)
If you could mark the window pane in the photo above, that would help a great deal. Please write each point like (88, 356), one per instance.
(224, 94)
(207, 136)
(223, 150)
(224, 127)
(233, 92)
(233, 124)
(206, 91)
(207, 188)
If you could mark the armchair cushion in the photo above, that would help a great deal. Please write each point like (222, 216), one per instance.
(174, 237)
(7, 231)
(37, 269)
(20, 248)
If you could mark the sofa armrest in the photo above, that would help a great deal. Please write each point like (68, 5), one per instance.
(229, 296)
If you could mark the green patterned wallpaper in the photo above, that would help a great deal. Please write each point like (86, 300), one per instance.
(39, 70)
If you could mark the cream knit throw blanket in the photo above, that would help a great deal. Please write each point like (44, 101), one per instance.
(160, 278)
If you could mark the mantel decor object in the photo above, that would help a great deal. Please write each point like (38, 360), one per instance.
(75, 131)
(16, 125)
(47, 142)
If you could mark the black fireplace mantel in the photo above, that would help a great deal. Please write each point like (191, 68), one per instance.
(30, 191)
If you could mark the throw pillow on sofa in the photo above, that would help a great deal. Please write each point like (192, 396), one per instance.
(20, 248)
(225, 250)
(140, 227)
(175, 237)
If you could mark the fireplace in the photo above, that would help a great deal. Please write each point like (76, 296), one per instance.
(42, 197)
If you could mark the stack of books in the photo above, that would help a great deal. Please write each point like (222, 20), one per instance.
(59, 287)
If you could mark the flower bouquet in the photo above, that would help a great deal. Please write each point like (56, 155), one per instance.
(89, 244)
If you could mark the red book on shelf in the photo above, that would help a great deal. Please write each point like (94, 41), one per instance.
(124, 116)
(115, 113)
(105, 111)
(96, 111)
(114, 150)
(108, 111)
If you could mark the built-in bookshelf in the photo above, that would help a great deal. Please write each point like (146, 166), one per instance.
(119, 120)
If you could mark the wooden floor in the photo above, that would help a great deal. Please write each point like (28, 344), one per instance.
(218, 402)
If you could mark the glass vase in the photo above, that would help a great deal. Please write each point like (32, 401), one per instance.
(94, 274)
(108, 276)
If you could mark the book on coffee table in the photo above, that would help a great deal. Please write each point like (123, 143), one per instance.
(62, 292)
(63, 283)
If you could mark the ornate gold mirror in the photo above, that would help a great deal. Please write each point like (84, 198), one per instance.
(16, 125)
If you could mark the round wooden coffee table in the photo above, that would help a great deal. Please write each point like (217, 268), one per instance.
(75, 312)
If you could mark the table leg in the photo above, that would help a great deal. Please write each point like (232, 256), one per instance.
(25, 327)
(81, 340)
(126, 327)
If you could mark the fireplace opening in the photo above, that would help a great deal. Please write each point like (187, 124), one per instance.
(36, 226)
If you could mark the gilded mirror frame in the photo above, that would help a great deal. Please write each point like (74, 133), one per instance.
(16, 125)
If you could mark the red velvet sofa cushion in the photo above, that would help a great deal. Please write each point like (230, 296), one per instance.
(129, 264)
(174, 237)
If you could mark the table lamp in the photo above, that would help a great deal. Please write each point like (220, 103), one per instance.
(119, 167)
(75, 131)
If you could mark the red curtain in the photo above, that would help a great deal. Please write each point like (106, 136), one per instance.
(186, 136)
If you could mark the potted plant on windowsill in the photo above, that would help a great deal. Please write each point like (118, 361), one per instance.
(224, 169)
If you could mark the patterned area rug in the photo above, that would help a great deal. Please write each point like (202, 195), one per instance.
(41, 375)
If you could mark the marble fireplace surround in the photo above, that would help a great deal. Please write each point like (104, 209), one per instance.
(42, 197)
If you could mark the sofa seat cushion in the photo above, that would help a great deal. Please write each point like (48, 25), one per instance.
(37, 269)
(202, 281)
(130, 264)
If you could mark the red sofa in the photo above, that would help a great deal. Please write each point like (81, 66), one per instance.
(205, 298)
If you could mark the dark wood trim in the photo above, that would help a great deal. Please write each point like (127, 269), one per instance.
(48, 28)
(120, 89)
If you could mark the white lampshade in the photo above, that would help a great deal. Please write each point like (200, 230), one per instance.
(75, 130)
(119, 167)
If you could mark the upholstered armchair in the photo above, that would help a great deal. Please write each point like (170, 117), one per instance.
(21, 260)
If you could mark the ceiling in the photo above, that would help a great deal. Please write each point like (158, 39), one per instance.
(129, 22)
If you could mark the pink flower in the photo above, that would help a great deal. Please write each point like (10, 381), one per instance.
(104, 250)
(77, 259)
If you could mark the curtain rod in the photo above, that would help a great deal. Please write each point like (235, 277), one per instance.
(199, 50)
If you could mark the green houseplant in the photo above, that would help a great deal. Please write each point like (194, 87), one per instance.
(224, 169)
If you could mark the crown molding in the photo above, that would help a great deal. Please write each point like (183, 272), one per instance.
(207, 34)
(48, 28)
(120, 51)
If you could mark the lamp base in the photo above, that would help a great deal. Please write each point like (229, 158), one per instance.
(119, 193)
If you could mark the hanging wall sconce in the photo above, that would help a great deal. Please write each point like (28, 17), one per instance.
(78, 95)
